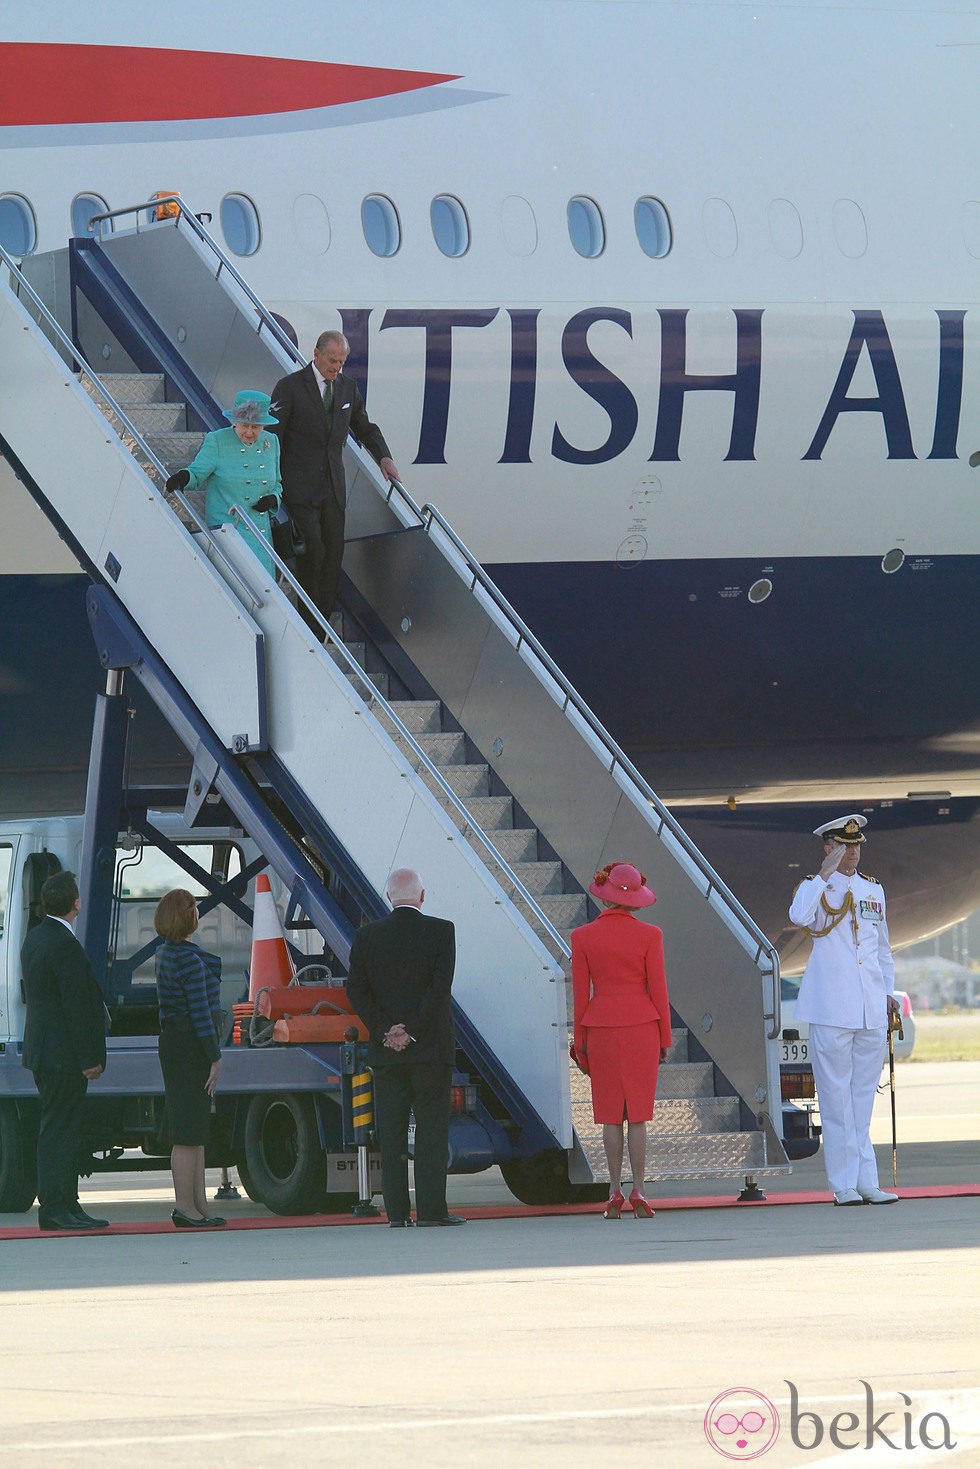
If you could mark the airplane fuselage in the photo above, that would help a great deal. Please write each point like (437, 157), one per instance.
(696, 379)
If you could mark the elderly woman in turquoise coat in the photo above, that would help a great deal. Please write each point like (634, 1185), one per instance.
(239, 466)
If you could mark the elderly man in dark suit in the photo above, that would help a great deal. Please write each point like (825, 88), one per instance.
(317, 407)
(401, 974)
(64, 1047)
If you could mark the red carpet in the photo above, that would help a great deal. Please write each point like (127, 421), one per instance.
(491, 1211)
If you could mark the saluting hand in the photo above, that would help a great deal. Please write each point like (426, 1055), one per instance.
(832, 861)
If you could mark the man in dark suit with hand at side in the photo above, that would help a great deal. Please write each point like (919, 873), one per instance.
(317, 407)
(401, 974)
(64, 1047)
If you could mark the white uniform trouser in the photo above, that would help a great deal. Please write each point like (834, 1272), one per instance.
(847, 1068)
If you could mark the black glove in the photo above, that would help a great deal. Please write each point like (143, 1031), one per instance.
(267, 502)
(179, 480)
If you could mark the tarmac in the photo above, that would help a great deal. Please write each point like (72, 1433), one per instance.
(788, 1332)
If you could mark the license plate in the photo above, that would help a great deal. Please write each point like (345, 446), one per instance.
(793, 1052)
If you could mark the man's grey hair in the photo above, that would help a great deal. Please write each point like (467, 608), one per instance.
(404, 886)
(332, 339)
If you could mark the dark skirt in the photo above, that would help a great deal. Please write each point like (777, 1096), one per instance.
(185, 1068)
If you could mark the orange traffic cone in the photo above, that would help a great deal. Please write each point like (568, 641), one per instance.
(271, 964)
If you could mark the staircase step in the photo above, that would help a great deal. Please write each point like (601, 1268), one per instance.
(678, 1049)
(565, 910)
(357, 651)
(445, 749)
(686, 1079)
(690, 1116)
(157, 418)
(441, 748)
(704, 1155)
(518, 844)
(539, 877)
(468, 781)
(492, 813)
(419, 716)
(134, 387)
(379, 680)
(175, 450)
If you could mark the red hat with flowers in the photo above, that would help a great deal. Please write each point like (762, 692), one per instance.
(623, 884)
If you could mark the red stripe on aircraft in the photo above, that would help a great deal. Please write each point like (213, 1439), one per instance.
(83, 84)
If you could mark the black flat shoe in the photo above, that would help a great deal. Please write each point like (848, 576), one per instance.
(77, 1212)
(400, 1223)
(213, 1221)
(435, 1223)
(52, 1219)
(184, 1221)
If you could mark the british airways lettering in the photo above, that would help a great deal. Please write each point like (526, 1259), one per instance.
(869, 335)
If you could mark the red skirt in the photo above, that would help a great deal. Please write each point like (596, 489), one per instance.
(623, 1065)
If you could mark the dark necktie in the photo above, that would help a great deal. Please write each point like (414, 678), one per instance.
(328, 403)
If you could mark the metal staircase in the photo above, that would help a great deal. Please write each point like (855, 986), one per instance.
(454, 744)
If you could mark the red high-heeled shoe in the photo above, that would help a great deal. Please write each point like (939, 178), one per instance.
(614, 1207)
(642, 1208)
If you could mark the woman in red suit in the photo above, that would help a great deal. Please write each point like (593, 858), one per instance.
(622, 1021)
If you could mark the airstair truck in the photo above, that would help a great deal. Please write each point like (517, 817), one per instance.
(283, 1112)
(427, 729)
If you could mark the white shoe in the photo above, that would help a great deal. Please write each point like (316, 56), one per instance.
(878, 1196)
(849, 1196)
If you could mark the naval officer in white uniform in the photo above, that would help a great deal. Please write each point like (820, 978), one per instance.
(845, 996)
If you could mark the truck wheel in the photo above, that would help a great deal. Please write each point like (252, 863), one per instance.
(282, 1165)
(543, 1179)
(18, 1165)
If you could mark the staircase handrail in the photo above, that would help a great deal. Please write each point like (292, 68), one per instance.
(74, 355)
(240, 513)
(429, 515)
(225, 266)
(750, 935)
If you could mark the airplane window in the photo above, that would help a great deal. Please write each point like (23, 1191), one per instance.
(379, 221)
(450, 227)
(785, 228)
(652, 224)
(970, 225)
(240, 224)
(720, 228)
(518, 225)
(850, 229)
(18, 227)
(586, 229)
(311, 223)
(83, 206)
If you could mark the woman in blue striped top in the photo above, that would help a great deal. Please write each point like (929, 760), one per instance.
(188, 993)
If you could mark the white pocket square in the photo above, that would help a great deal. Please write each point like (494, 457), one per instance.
(343, 406)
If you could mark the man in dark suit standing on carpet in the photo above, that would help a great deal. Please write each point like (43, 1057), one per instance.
(316, 408)
(64, 1047)
(401, 974)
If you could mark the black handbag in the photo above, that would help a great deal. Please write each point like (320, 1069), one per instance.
(287, 539)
